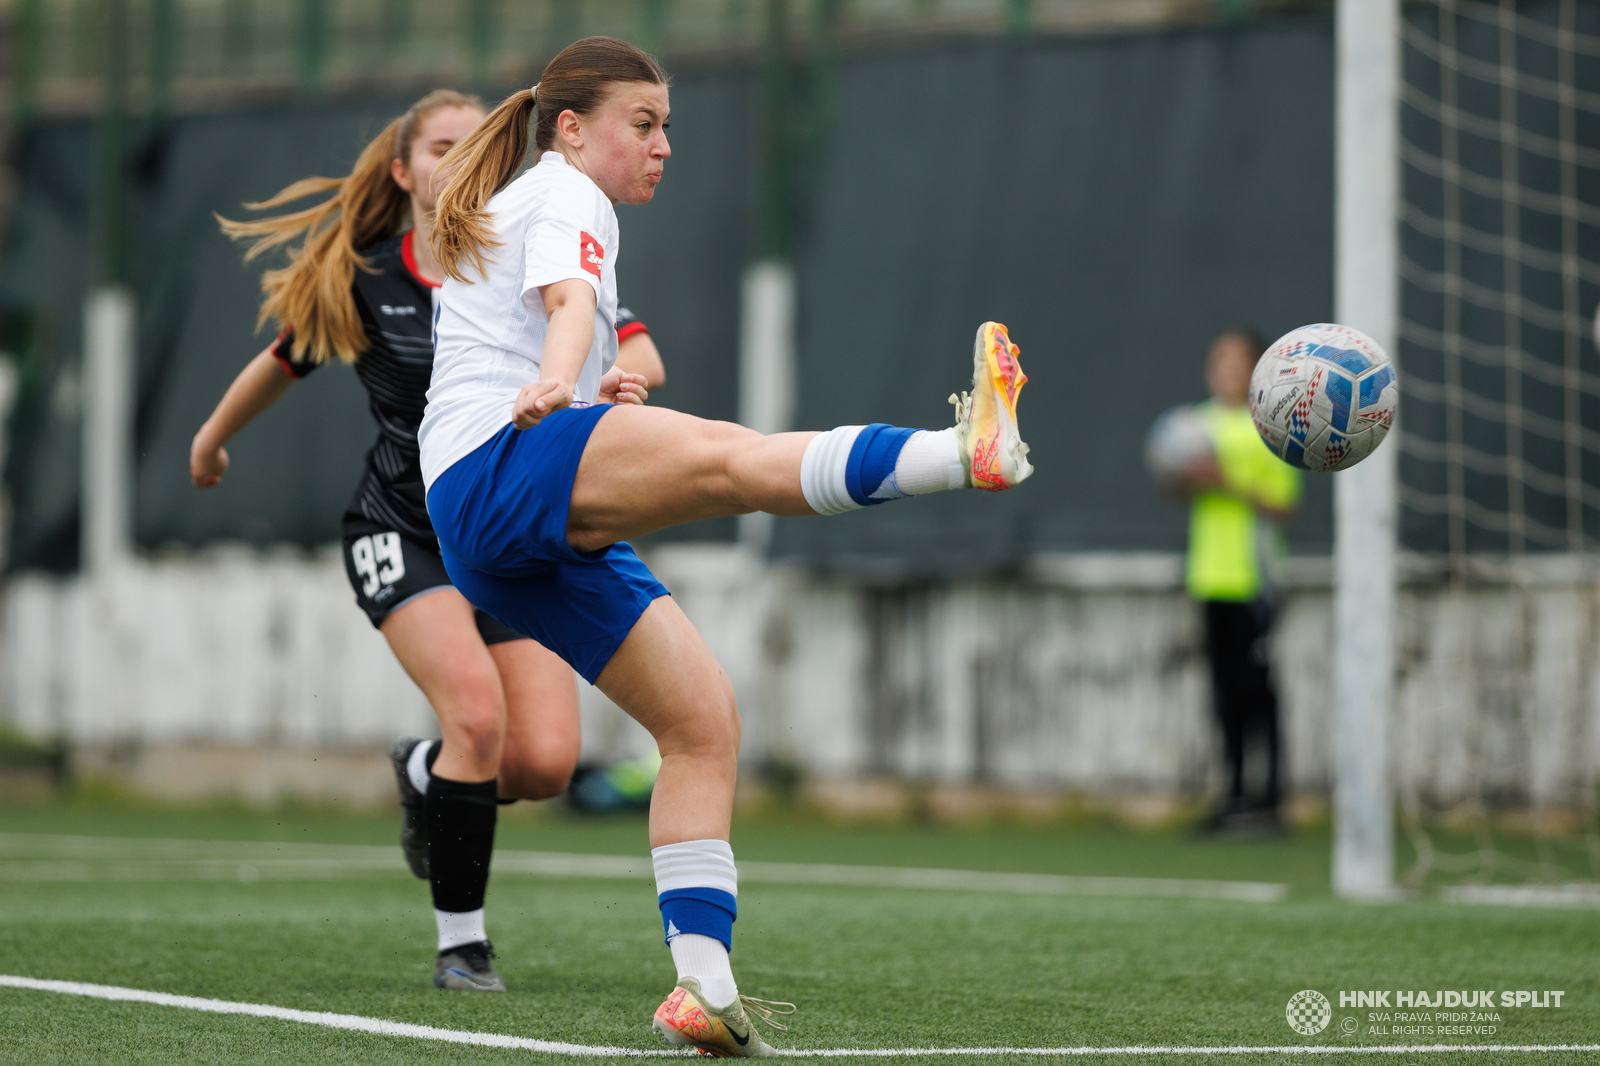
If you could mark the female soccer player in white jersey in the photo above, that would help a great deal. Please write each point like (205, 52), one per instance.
(536, 476)
(361, 289)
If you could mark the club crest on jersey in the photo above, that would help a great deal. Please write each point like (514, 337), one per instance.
(591, 254)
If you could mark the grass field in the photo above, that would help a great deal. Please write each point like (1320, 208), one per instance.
(870, 968)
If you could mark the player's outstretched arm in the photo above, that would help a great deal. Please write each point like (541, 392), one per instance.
(259, 385)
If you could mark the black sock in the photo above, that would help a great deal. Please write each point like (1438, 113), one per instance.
(461, 819)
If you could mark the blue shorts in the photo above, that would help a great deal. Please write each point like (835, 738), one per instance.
(501, 516)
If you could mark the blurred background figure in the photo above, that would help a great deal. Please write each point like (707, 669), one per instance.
(1240, 496)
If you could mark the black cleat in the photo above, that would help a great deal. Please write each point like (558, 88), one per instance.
(413, 830)
(467, 967)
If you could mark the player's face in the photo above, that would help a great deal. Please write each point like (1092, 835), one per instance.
(1228, 371)
(625, 141)
(436, 135)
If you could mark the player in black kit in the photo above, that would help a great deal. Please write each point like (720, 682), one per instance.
(361, 289)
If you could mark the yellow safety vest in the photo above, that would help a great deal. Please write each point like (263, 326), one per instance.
(1227, 539)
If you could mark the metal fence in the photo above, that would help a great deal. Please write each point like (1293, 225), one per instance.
(201, 54)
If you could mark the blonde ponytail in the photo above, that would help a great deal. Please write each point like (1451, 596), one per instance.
(473, 171)
(312, 294)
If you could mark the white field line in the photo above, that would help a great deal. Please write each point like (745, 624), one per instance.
(39, 857)
(1570, 894)
(383, 1027)
(354, 1022)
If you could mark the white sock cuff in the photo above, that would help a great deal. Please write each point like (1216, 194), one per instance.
(695, 864)
(823, 468)
(457, 928)
(417, 766)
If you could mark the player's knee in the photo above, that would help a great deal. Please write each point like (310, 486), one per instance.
(722, 718)
(477, 714)
(732, 443)
(536, 777)
(710, 730)
(715, 430)
(537, 771)
(726, 444)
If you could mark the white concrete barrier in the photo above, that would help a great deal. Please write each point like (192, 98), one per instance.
(1085, 675)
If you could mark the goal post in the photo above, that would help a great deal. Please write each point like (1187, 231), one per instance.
(1366, 282)
(108, 387)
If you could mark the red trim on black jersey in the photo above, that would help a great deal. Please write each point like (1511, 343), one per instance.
(628, 329)
(283, 360)
(410, 260)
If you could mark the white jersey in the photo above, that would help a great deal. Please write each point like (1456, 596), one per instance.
(553, 224)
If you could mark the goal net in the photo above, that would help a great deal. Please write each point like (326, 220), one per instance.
(1499, 204)
(1500, 275)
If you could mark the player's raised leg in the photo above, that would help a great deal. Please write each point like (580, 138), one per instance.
(645, 469)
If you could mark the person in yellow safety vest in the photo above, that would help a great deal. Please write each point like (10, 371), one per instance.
(1239, 500)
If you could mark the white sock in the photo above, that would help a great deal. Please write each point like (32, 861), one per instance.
(706, 960)
(465, 927)
(417, 766)
(930, 461)
(823, 468)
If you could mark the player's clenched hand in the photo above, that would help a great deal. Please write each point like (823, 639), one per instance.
(539, 399)
(206, 465)
(620, 387)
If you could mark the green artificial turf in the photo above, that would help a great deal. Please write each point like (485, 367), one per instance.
(870, 968)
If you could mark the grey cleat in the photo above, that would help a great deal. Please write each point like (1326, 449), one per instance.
(413, 829)
(467, 967)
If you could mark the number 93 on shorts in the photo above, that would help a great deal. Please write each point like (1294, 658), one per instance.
(388, 569)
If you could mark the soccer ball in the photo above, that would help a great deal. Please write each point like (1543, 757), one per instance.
(1323, 397)
(1176, 441)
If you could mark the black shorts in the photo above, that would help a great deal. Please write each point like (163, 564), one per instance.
(388, 569)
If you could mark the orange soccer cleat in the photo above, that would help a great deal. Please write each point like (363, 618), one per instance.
(986, 419)
(687, 1020)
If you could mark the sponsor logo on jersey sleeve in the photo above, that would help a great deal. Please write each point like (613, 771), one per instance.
(591, 254)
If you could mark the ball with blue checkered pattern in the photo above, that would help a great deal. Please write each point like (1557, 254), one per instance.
(1323, 397)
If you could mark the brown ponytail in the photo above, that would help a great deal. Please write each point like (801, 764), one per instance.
(312, 293)
(484, 163)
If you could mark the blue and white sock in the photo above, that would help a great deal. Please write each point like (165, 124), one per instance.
(698, 886)
(858, 466)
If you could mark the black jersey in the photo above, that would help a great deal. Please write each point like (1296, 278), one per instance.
(396, 308)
